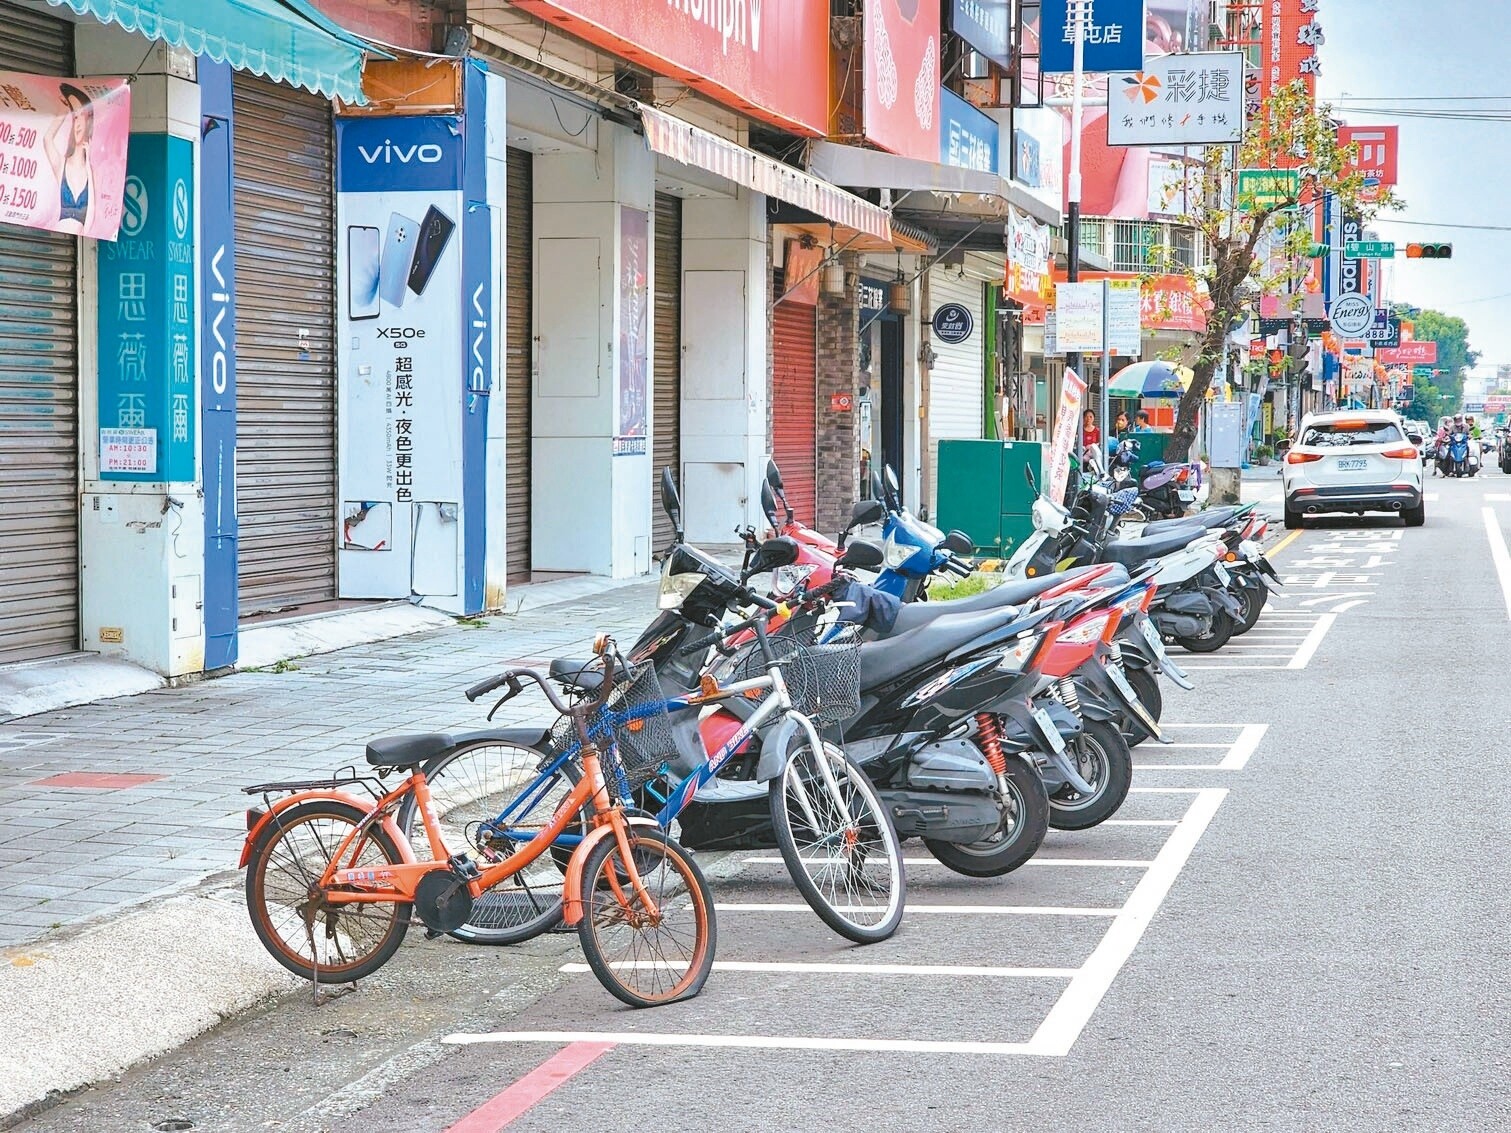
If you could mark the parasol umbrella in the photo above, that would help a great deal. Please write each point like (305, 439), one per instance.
(1150, 379)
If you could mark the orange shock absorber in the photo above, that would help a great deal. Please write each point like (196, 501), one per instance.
(990, 740)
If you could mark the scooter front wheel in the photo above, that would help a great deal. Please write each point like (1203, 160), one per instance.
(1215, 639)
(1025, 820)
(1103, 760)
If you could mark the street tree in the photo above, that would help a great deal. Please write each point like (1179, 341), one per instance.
(1455, 358)
(1257, 241)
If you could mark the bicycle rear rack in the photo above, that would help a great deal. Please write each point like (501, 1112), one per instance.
(346, 777)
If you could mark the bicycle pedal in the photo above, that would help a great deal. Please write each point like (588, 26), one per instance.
(464, 867)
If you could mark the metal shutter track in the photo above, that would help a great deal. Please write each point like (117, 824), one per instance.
(285, 393)
(666, 439)
(518, 220)
(39, 494)
(794, 388)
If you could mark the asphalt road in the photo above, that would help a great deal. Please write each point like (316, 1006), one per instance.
(1302, 927)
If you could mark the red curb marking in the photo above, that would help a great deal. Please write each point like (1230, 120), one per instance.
(530, 1090)
(95, 779)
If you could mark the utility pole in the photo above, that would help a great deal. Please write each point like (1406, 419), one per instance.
(1080, 13)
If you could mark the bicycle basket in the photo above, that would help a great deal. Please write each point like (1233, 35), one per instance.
(635, 719)
(822, 680)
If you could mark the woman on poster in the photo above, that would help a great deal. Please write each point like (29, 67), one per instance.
(68, 149)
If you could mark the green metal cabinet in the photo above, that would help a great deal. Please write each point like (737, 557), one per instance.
(983, 491)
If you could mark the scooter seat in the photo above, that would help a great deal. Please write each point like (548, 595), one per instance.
(1209, 520)
(885, 660)
(1009, 594)
(580, 673)
(1131, 552)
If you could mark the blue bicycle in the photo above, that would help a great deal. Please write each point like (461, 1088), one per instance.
(495, 790)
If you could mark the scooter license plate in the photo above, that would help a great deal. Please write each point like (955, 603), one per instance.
(1115, 674)
(1151, 635)
(1049, 731)
(1222, 573)
(1186, 496)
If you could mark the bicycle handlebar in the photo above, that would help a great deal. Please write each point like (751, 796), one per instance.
(579, 712)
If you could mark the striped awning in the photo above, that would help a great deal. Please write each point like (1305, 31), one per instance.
(286, 40)
(673, 138)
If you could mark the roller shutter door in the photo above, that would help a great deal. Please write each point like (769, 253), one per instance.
(519, 219)
(285, 371)
(39, 381)
(956, 380)
(666, 437)
(794, 440)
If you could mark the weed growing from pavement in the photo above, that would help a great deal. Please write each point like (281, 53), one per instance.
(964, 588)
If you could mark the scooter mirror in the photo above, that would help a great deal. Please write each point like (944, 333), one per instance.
(779, 552)
(671, 502)
(773, 475)
(877, 492)
(958, 543)
(1028, 473)
(866, 511)
(862, 555)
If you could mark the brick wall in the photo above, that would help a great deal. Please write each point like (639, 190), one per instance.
(838, 456)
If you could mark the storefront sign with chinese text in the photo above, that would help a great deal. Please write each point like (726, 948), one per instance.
(1113, 37)
(1194, 99)
(1067, 430)
(967, 137)
(1376, 158)
(634, 331)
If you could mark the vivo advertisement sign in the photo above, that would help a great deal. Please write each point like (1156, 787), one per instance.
(967, 137)
(403, 324)
(986, 25)
(1114, 37)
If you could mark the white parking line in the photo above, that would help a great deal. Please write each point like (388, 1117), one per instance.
(828, 968)
(935, 910)
(1070, 1014)
(1112, 863)
(1498, 555)
(1139, 822)
(1314, 639)
(747, 1042)
(1238, 753)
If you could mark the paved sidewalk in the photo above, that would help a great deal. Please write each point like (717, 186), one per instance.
(71, 851)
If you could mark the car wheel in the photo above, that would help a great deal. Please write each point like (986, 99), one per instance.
(1415, 516)
(1292, 518)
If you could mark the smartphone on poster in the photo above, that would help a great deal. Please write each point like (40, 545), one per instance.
(398, 255)
(363, 248)
(435, 232)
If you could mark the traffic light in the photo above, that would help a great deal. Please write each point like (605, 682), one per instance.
(1429, 251)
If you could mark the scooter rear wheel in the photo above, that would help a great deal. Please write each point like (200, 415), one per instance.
(1024, 823)
(1222, 630)
(1252, 599)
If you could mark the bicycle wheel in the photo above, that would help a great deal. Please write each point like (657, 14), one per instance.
(842, 851)
(641, 959)
(308, 936)
(498, 784)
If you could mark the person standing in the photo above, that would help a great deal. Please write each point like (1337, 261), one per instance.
(1091, 436)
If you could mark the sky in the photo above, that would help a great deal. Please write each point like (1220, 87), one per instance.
(1451, 172)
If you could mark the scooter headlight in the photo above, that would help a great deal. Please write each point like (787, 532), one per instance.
(894, 554)
(676, 587)
(789, 579)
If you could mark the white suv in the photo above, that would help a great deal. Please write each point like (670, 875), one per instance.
(1354, 461)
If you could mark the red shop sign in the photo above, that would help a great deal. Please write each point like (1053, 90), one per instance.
(769, 60)
(902, 76)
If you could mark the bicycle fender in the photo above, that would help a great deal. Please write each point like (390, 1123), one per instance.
(779, 741)
(571, 899)
(283, 804)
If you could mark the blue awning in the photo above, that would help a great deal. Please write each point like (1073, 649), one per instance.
(286, 40)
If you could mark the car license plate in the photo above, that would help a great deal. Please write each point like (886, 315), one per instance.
(1051, 733)
(1222, 573)
(1353, 465)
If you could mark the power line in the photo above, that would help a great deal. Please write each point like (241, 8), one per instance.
(1435, 224)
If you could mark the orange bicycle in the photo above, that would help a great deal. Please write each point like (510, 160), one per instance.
(332, 882)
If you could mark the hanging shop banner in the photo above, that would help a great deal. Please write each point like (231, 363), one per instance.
(63, 153)
(402, 350)
(634, 330)
(967, 137)
(902, 77)
(1114, 37)
(1037, 156)
(146, 319)
(769, 60)
(1027, 277)
(987, 26)
(1067, 429)
(1178, 100)
(1376, 159)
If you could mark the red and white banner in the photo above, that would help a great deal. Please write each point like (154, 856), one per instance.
(1067, 429)
(902, 76)
(1376, 160)
(63, 154)
(1292, 35)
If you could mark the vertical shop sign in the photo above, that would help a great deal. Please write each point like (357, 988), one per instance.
(403, 379)
(146, 321)
(902, 77)
(634, 330)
